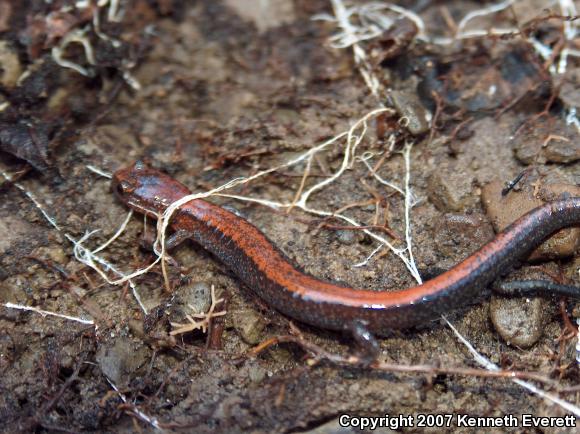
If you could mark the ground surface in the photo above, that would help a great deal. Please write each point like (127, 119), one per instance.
(226, 92)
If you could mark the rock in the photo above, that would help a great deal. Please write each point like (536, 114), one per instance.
(563, 151)
(519, 321)
(410, 107)
(249, 325)
(503, 210)
(119, 362)
(194, 294)
(190, 297)
(548, 140)
(450, 190)
(256, 373)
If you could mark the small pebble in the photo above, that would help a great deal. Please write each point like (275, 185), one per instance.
(120, 361)
(408, 106)
(256, 374)
(196, 294)
(503, 210)
(249, 325)
(519, 321)
(551, 140)
(450, 190)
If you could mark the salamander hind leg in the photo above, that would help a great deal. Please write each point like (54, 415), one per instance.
(368, 347)
(522, 288)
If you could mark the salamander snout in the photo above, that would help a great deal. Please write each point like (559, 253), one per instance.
(125, 182)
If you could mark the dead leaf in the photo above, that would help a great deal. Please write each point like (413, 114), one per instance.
(26, 141)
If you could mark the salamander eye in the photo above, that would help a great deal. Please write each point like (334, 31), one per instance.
(125, 187)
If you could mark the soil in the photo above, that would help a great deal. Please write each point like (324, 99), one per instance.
(226, 91)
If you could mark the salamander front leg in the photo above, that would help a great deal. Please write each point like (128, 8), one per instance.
(171, 242)
(176, 238)
(368, 347)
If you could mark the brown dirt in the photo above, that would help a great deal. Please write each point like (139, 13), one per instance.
(219, 100)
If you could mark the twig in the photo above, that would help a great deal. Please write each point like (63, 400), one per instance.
(319, 354)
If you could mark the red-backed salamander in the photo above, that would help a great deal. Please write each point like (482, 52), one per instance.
(260, 265)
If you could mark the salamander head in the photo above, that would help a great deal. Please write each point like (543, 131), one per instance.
(145, 189)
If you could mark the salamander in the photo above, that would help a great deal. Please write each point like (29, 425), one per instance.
(261, 266)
